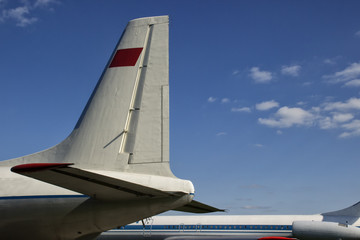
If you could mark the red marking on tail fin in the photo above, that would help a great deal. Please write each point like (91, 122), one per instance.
(33, 167)
(125, 57)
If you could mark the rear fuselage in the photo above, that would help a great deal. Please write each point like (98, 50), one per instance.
(44, 211)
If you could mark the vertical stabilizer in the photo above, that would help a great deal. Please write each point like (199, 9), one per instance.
(353, 210)
(125, 124)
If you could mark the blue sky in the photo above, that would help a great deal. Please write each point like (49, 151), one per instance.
(265, 95)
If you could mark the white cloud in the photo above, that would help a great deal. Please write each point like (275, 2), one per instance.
(23, 15)
(333, 60)
(225, 100)
(253, 186)
(20, 15)
(263, 106)
(351, 104)
(353, 129)
(330, 61)
(327, 123)
(353, 83)
(242, 109)
(211, 99)
(357, 33)
(301, 103)
(260, 76)
(258, 145)
(342, 117)
(350, 73)
(331, 122)
(291, 70)
(221, 134)
(235, 72)
(44, 3)
(251, 207)
(287, 117)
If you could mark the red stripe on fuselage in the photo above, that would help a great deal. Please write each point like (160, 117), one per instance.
(126, 57)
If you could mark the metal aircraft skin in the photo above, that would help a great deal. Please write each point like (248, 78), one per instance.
(338, 225)
(113, 169)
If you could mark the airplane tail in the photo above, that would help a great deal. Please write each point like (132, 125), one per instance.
(125, 124)
(348, 215)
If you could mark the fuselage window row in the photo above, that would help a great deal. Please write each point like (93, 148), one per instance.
(208, 227)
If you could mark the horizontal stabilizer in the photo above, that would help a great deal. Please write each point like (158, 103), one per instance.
(198, 207)
(92, 184)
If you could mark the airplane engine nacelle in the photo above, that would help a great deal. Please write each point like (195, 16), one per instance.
(315, 230)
